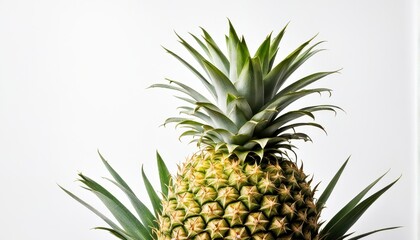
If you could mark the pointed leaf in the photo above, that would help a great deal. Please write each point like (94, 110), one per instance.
(347, 221)
(278, 75)
(301, 83)
(275, 46)
(330, 187)
(124, 216)
(263, 53)
(164, 175)
(99, 214)
(219, 59)
(154, 198)
(350, 205)
(372, 232)
(203, 80)
(113, 232)
(147, 218)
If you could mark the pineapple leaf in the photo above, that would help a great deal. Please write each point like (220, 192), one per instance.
(293, 126)
(220, 119)
(142, 211)
(99, 214)
(238, 53)
(283, 101)
(263, 53)
(164, 175)
(221, 82)
(351, 205)
(299, 84)
(330, 187)
(274, 46)
(113, 232)
(215, 53)
(293, 115)
(278, 75)
(188, 100)
(248, 128)
(114, 174)
(283, 119)
(196, 113)
(203, 80)
(262, 142)
(198, 57)
(372, 232)
(194, 125)
(154, 198)
(276, 105)
(189, 91)
(345, 222)
(172, 87)
(250, 83)
(127, 220)
(219, 135)
(238, 109)
(202, 45)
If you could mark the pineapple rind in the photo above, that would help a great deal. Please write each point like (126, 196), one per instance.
(260, 206)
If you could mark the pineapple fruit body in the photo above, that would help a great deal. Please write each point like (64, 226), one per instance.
(219, 197)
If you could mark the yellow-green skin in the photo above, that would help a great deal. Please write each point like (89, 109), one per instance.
(216, 197)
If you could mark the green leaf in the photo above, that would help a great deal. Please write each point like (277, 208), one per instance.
(203, 80)
(219, 118)
(190, 91)
(238, 109)
(278, 75)
(142, 211)
(283, 119)
(263, 53)
(147, 218)
(114, 174)
(275, 46)
(113, 232)
(124, 217)
(219, 59)
(99, 214)
(350, 205)
(293, 115)
(202, 45)
(234, 52)
(196, 113)
(127, 220)
(248, 128)
(242, 55)
(221, 82)
(280, 102)
(154, 198)
(164, 175)
(303, 82)
(302, 58)
(195, 125)
(295, 125)
(220, 135)
(250, 84)
(344, 224)
(330, 187)
(372, 232)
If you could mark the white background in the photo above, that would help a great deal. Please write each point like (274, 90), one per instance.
(73, 79)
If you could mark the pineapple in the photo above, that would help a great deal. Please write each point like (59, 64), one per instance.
(244, 181)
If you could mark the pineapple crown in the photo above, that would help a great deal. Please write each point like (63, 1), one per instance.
(245, 114)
